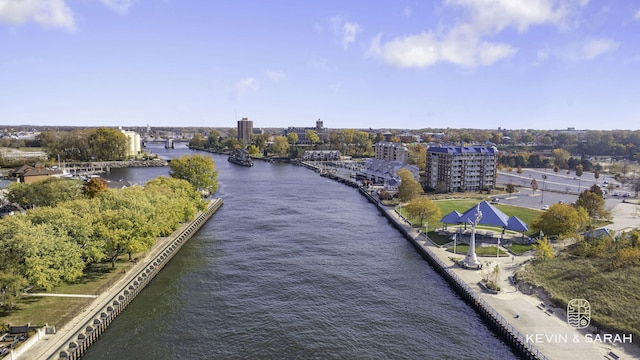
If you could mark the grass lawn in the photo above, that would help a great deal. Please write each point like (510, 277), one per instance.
(439, 239)
(480, 251)
(59, 310)
(447, 206)
(520, 249)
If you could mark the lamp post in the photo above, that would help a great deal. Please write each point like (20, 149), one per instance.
(544, 177)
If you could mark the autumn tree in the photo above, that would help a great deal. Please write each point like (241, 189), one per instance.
(561, 219)
(280, 145)
(94, 186)
(422, 208)
(292, 138)
(593, 202)
(199, 170)
(409, 188)
(544, 249)
(312, 136)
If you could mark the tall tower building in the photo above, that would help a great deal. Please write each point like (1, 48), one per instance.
(245, 129)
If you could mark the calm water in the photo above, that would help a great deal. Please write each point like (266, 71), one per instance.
(294, 266)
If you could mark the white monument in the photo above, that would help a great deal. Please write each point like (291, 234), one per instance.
(471, 260)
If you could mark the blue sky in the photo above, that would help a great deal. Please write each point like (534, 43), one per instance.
(515, 64)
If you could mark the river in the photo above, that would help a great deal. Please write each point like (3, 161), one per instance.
(294, 266)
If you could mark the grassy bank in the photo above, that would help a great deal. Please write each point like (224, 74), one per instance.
(613, 294)
(60, 310)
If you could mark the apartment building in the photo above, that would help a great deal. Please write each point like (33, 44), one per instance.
(390, 151)
(461, 168)
(245, 129)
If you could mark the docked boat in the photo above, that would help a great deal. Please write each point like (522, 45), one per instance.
(240, 157)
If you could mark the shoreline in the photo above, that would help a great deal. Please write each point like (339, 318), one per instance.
(529, 325)
(75, 337)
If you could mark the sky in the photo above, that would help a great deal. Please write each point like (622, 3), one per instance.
(485, 64)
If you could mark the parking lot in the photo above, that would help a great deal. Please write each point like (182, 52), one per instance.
(555, 188)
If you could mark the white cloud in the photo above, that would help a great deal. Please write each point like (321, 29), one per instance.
(407, 11)
(349, 32)
(243, 87)
(274, 75)
(637, 15)
(346, 31)
(119, 6)
(48, 13)
(465, 43)
(596, 47)
(427, 49)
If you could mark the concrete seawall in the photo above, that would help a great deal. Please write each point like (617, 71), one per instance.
(86, 328)
(490, 316)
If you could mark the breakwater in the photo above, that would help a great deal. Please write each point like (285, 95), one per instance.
(498, 324)
(76, 343)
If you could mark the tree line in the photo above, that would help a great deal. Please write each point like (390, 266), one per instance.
(71, 225)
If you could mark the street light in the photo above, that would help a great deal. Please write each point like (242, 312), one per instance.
(544, 177)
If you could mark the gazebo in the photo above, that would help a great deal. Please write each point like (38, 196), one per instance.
(483, 214)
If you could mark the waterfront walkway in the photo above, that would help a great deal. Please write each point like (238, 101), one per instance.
(544, 326)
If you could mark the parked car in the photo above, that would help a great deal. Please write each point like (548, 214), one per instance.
(546, 207)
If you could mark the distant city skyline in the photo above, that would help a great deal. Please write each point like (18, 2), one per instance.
(485, 64)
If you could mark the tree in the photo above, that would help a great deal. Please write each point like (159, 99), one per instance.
(280, 145)
(579, 174)
(199, 170)
(49, 192)
(593, 202)
(544, 249)
(560, 157)
(108, 144)
(409, 188)
(627, 258)
(423, 209)
(510, 188)
(312, 136)
(94, 186)
(561, 219)
(292, 138)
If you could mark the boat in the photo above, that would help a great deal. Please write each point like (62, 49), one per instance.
(240, 157)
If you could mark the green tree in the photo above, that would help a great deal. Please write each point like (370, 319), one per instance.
(510, 188)
(213, 140)
(48, 192)
(409, 188)
(108, 144)
(280, 145)
(423, 209)
(199, 170)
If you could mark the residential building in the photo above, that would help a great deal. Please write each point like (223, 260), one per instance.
(386, 172)
(392, 152)
(245, 129)
(30, 174)
(321, 155)
(461, 168)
